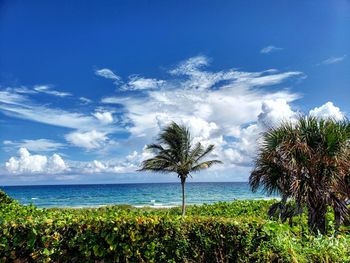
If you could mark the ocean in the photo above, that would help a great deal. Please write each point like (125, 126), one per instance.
(145, 194)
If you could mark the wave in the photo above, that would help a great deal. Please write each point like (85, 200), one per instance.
(155, 206)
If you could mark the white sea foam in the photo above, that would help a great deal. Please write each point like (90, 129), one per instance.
(267, 198)
(155, 206)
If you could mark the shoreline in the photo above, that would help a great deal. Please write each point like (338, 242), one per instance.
(151, 206)
(126, 183)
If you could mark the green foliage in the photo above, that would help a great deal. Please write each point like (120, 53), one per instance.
(308, 161)
(175, 153)
(238, 231)
(4, 198)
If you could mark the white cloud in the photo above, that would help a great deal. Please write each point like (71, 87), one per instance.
(214, 105)
(105, 117)
(140, 83)
(269, 49)
(108, 74)
(275, 111)
(229, 108)
(198, 78)
(332, 60)
(21, 90)
(28, 163)
(187, 67)
(242, 150)
(105, 167)
(88, 140)
(85, 100)
(13, 99)
(17, 105)
(39, 145)
(129, 164)
(89, 131)
(114, 100)
(327, 110)
(47, 90)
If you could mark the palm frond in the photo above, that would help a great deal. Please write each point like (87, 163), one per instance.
(205, 152)
(309, 161)
(205, 165)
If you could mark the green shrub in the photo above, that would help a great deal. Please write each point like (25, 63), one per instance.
(4, 198)
(224, 232)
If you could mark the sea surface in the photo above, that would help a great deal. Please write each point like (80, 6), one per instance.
(146, 194)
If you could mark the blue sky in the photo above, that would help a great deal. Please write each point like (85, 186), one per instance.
(85, 85)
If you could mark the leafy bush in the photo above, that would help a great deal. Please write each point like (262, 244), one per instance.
(224, 232)
(4, 198)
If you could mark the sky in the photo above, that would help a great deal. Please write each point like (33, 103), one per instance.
(85, 85)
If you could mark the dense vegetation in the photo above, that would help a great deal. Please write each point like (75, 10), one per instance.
(308, 161)
(239, 231)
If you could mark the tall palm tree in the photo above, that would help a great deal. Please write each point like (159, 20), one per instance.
(174, 152)
(310, 162)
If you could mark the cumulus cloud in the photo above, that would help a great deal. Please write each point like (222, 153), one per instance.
(128, 164)
(332, 60)
(39, 145)
(223, 107)
(105, 167)
(27, 163)
(269, 49)
(327, 110)
(88, 140)
(105, 117)
(229, 108)
(275, 111)
(242, 150)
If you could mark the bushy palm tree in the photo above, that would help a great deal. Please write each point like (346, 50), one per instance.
(308, 161)
(174, 152)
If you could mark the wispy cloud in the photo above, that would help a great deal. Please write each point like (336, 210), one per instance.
(19, 106)
(229, 108)
(22, 90)
(48, 90)
(141, 83)
(89, 129)
(270, 49)
(332, 60)
(108, 74)
(85, 100)
(214, 104)
(39, 145)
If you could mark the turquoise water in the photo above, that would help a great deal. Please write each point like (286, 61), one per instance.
(157, 195)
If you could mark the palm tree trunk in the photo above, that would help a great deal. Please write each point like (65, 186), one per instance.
(183, 180)
(317, 218)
